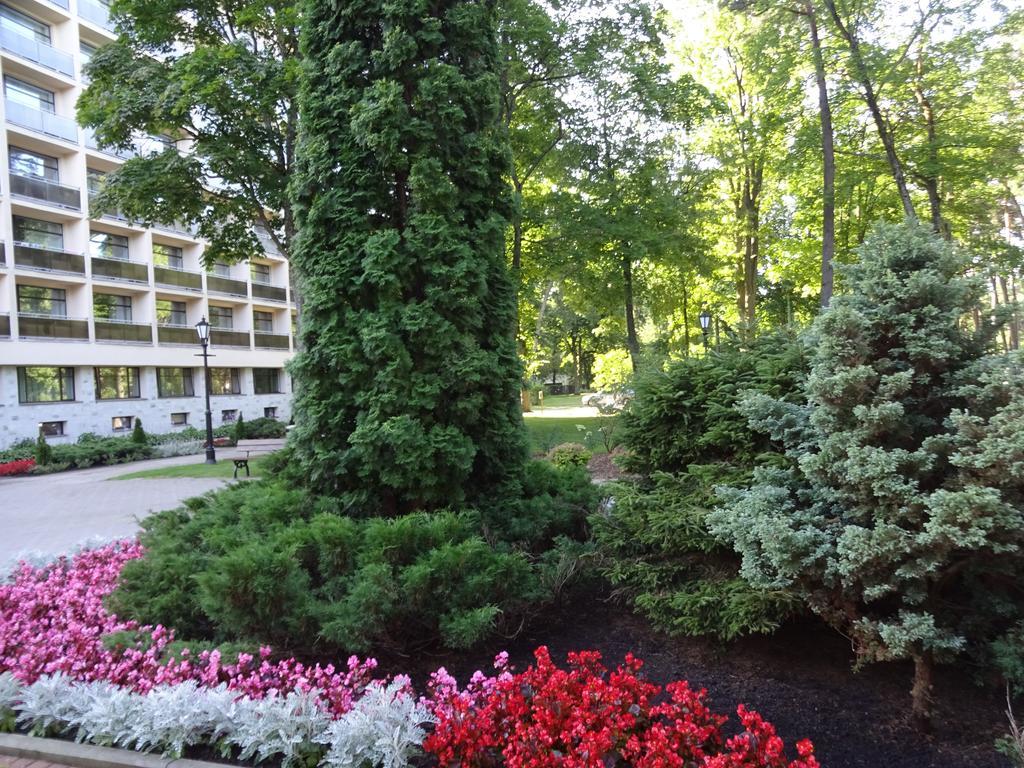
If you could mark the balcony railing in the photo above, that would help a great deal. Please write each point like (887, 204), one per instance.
(223, 338)
(176, 334)
(176, 227)
(178, 278)
(52, 192)
(271, 340)
(60, 3)
(268, 292)
(269, 246)
(43, 122)
(33, 326)
(91, 143)
(5, 325)
(97, 13)
(118, 269)
(226, 285)
(3, 254)
(116, 330)
(37, 51)
(32, 256)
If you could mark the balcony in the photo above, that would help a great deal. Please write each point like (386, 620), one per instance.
(29, 256)
(178, 278)
(5, 325)
(269, 246)
(91, 143)
(176, 334)
(176, 227)
(121, 270)
(34, 50)
(3, 254)
(124, 332)
(269, 292)
(224, 338)
(96, 12)
(43, 190)
(40, 121)
(33, 326)
(226, 286)
(271, 340)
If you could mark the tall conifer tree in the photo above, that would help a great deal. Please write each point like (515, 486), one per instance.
(408, 377)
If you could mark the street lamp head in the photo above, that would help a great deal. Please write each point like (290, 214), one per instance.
(203, 329)
(705, 320)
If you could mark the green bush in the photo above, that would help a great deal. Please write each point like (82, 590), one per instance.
(686, 413)
(569, 455)
(43, 450)
(238, 428)
(139, 436)
(263, 428)
(266, 562)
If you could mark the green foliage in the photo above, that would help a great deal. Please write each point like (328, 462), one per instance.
(569, 455)
(139, 436)
(43, 450)
(612, 370)
(408, 381)
(655, 547)
(901, 518)
(685, 414)
(238, 431)
(263, 428)
(267, 562)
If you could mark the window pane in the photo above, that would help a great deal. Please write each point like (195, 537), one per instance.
(25, 163)
(179, 419)
(170, 312)
(117, 383)
(52, 428)
(45, 385)
(108, 306)
(260, 273)
(37, 300)
(174, 382)
(263, 321)
(168, 256)
(222, 317)
(121, 423)
(224, 381)
(46, 234)
(108, 246)
(264, 381)
(221, 269)
(24, 25)
(29, 95)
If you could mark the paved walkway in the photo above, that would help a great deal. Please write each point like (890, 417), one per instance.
(574, 412)
(52, 513)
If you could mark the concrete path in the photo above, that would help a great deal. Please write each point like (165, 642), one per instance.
(52, 513)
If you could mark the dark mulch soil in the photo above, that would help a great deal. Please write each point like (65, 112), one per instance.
(800, 679)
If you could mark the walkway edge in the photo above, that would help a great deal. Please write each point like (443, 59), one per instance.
(87, 755)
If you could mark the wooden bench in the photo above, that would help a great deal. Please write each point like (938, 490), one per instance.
(247, 449)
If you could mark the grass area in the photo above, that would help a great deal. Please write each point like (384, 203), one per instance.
(546, 433)
(560, 401)
(223, 468)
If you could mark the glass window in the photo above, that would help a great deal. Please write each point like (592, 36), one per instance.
(52, 428)
(117, 383)
(168, 256)
(23, 24)
(25, 163)
(224, 381)
(263, 322)
(222, 317)
(265, 381)
(108, 246)
(228, 416)
(174, 382)
(46, 385)
(94, 180)
(121, 423)
(37, 300)
(179, 419)
(270, 412)
(260, 273)
(221, 269)
(170, 312)
(28, 95)
(109, 306)
(87, 50)
(45, 234)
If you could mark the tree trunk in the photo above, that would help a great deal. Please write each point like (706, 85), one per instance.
(632, 341)
(686, 321)
(921, 693)
(929, 178)
(828, 156)
(863, 77)
(1014, 339)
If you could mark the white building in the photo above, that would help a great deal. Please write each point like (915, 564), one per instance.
(97, 315)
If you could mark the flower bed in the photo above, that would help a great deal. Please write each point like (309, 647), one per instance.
(58, 676)
(17, 467)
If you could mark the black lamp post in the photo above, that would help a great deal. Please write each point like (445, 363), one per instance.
(705, 324)
(203, 329)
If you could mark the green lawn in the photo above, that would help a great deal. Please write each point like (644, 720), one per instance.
(546, 433)
(223, 468)
(560, 401)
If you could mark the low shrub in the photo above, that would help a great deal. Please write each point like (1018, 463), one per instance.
(569, 455)
(43, 452)
(17, 467)
(139, 436)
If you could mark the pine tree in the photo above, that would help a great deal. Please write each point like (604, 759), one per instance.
(900, 519)
(139, 436)
(407, 382)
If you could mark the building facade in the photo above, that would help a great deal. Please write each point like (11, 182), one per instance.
(97, 314)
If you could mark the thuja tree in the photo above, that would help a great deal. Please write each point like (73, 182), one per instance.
(408, 378)
(899, 519)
